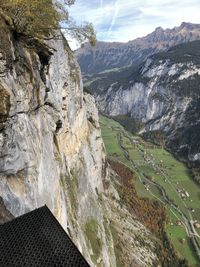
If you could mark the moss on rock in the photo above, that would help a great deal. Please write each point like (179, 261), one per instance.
(4, 104)
(91, 232)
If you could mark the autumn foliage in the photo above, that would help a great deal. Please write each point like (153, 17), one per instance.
(40, 18)
(149, 213)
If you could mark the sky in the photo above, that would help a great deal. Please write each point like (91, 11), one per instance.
(124, 20)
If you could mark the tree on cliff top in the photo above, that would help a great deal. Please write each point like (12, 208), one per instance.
(40, 18)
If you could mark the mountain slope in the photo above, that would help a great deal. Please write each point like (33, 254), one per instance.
(51, 152)
(106, 56)
(162, 96)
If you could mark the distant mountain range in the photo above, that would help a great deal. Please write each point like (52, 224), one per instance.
(105, 56)
(159, 97)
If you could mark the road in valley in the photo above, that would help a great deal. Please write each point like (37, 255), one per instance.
(187, 222)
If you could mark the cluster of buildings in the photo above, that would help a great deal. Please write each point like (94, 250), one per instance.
(183, 193)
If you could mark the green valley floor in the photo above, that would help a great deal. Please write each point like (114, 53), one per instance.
(159, 176)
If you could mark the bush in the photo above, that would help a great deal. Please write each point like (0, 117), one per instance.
(31, 17)
(41, 18)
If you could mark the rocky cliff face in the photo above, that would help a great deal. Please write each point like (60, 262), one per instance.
(105, 56)
(51, 152)
(162, 95)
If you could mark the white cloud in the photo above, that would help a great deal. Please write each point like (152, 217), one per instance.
(120, 20)
(115, 15)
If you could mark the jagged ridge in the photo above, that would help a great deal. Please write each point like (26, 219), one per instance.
(107, 56)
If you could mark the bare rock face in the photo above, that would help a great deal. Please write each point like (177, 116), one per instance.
(48, 146)
(51, 150)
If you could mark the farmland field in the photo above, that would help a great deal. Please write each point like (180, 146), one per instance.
(159, 177)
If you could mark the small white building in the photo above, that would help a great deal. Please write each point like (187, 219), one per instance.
(187, 194)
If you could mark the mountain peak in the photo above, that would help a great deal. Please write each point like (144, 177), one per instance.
(118, 55)
(159, 29)
(189, 26)
(185, 24)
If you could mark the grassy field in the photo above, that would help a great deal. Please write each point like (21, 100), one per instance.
(160, 167)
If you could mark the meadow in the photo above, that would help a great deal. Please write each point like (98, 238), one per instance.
(157, 169)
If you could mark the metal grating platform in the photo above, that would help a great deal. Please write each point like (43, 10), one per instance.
(37, 239)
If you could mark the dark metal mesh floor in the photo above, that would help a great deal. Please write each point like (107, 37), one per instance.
(37, 239)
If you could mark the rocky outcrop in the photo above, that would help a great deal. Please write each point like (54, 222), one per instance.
(162, 95)
(107, 56)
(51, 151)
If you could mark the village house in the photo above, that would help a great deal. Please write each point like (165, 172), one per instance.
(197, 225)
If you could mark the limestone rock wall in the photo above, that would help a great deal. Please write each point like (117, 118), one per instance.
(51, 150)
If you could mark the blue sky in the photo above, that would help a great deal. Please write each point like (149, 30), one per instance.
(124, 20)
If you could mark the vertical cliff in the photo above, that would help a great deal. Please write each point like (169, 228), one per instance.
(159, 99)
(51, 152)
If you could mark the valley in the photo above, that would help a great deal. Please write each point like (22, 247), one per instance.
(123, 185)
(159, 99)
(160, 177)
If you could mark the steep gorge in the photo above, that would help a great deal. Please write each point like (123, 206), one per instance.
(159, 99)
(51, 152)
